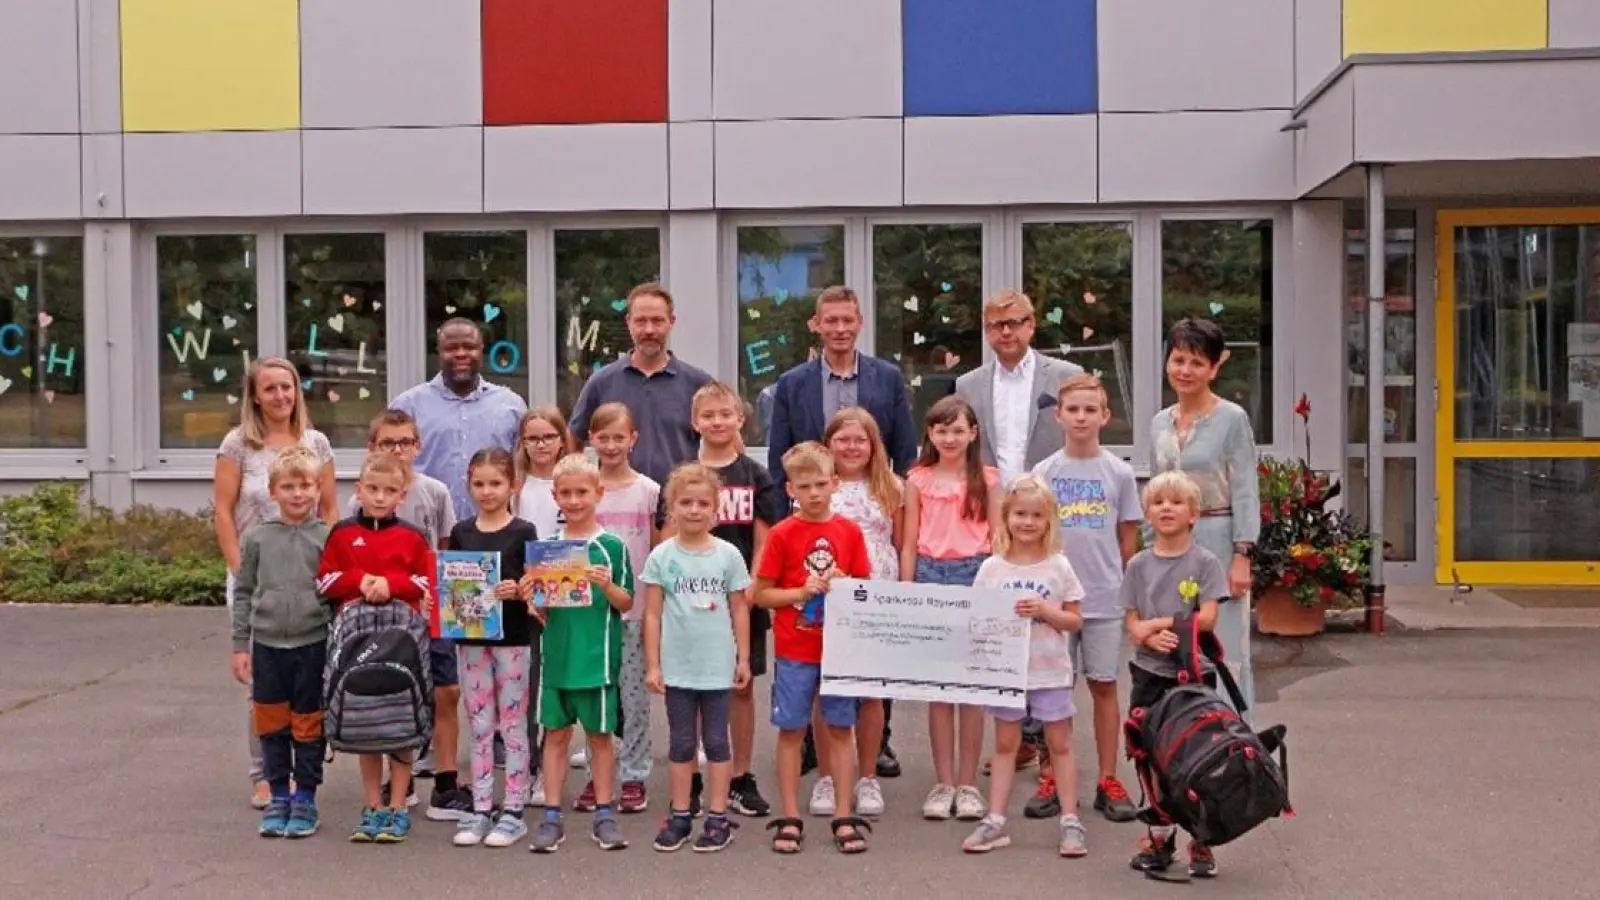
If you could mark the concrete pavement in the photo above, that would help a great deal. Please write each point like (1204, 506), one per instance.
(1440, 764)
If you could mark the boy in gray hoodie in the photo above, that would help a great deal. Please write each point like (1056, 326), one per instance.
(280, 642)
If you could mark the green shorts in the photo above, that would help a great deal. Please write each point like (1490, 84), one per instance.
(596, 709)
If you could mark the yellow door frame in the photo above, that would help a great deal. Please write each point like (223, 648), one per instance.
(1448, 449)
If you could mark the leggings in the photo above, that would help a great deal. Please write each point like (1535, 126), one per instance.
(633, 735)
(696, 717)
(494, 682)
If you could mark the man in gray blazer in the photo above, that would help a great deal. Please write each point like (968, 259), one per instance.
(1014, 394)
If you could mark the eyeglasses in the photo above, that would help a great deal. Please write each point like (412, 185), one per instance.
(1008, 324)
(392, 444)
(539, 439)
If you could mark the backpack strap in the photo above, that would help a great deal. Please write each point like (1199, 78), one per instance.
(1192, 643)
(1272, 740)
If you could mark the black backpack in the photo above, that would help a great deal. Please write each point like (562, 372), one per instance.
(1200, 765)
(378, 685)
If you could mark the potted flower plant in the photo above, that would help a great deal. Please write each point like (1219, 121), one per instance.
(1308, 558)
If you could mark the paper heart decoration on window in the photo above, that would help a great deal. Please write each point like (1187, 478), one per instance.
(236, 342)
(911, 304)
(5, 384)
(783, 339)
(1054, 316)
(27, 371)
(951, 360)
(45, 319)
(1216, 307)
(754, 313)
(49, 396)
(916, 381)
(228, 322)
(377, 305)
(232, 399)
(219, 374)
(449, 310)
(304, 301)
(619, 305)
(195, 309)
(349, 300)
(342, 370)
(779, 296)
(945, 319)
(490, 312)
(584, 299)
(363, 393)
(573, 367)
(337, 323)
(333, 396)
(1089, 297)
(946, 286)
(917, 339)
(187, 395)
(1099, 374)
(1087, 332)
(305, 385)
(249, 306)
(21, 291)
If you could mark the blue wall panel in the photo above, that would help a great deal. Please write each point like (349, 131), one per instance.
(999, 57)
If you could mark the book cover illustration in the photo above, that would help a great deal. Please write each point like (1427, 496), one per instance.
(467, 608)
(560, 571)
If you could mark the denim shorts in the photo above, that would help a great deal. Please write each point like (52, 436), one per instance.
(795, 686)
(959, 571)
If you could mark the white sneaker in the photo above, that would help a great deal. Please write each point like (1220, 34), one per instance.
(869, 797)
(823, 801)
(969, 804)
(471, 830)
(507, 831)
(941, 800)
(579, 758)
(536, 793)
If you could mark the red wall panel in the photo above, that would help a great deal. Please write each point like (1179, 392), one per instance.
(562, 62)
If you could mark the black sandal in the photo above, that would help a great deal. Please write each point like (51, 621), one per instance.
(855, 841)
(791, 830)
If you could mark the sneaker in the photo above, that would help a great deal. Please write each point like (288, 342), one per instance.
(989, 835)
(472, 829)
(449, 806)
(823, 801)
(1073, 840)
(941, 802)
(607, 834)
(869, 797)
(303, 820)
(1153, 855)
(969, 804)
(395, 827)
(367, 829)
(508, 829)
(536, 793)
(674, 833)
(260, 795)
(1202, 863)
(274, 818)
(499, 751)
(697, 786)
(423, 767)
(1112, 801)
(579, 758)
(547, 837)
(586, 800)
(1044, 804)
(634, 799)
(411, 798)
(745, 798)
(716, 834)
(888, 764)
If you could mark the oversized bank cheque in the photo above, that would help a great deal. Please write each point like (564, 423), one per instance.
(903, 641)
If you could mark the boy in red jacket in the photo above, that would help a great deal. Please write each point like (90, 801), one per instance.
(375, 557)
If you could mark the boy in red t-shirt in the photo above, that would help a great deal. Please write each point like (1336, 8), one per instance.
(802, 556)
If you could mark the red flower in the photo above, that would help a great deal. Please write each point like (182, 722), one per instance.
(1327, 593)
(1302, 407)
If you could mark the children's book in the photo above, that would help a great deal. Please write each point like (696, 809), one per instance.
(560, 571)
(467, 608)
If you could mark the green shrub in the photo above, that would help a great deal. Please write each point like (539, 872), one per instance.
(54, 548)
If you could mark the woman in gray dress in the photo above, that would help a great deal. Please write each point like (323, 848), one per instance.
(1211, 440)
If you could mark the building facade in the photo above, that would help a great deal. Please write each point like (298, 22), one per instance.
(186, 185)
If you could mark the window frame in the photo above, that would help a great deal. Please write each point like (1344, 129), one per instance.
(51, 463)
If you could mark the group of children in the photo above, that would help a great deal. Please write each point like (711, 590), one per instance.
(686, 581)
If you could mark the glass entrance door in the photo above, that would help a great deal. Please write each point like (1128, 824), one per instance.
(1519, 405)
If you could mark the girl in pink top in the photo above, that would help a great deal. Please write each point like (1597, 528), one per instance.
(951, 499)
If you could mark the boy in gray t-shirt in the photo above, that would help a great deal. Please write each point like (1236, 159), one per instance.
(1173, 577)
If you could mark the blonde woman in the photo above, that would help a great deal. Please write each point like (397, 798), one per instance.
(272, 416)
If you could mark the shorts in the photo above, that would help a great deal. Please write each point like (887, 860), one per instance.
(1048, 705)
(1148, 687)
(760, 627)
(695, 719)
(1097, 648)
(960, 571)
(442, 660)
(795, 686)
(598, 709)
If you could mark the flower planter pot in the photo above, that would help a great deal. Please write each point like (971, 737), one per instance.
(1280, 615)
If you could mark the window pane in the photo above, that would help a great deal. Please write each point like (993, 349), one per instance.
(781, 271)
(206, 288)
(334, 288)
(927, 283)
(1527, 333)
(1080, 277)
(1399, 501)
(482, 276)
(41, 343)
(594, 272)
(1508, 509)
(1222, 271)
(1400, 326)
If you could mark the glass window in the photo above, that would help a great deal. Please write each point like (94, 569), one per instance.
(334, 291)
(1080, 277)
(1527, 333)
(1507, 509)
(1399, 500)
(595, 269)
(781, 270)
(41, 343)
(206, 289)
(927, 283)
(482, 276)
(1400, 326)
(1222, 270)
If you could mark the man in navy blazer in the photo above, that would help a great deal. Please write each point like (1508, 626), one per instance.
(808, 395)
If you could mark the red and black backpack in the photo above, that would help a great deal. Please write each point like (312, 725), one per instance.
(1200, 764)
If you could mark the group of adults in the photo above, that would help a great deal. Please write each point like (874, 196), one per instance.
(458, 412)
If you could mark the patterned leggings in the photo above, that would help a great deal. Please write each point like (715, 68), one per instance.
(634, 756)
(494, 683)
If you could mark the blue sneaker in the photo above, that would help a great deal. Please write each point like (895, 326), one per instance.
(303, 820)
(395, 827)
(371, 821)
(275, 818)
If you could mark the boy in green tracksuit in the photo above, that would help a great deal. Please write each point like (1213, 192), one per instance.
(581, 663)
(280, 642)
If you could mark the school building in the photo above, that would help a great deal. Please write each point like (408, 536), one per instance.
(186, 185)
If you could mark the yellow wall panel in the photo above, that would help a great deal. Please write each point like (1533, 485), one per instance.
(1417, 26)
(210, 65)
